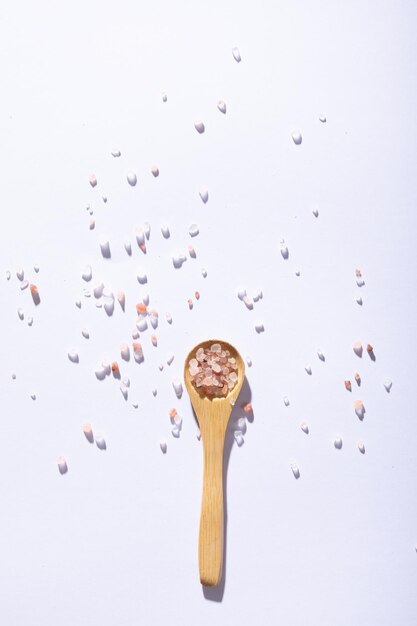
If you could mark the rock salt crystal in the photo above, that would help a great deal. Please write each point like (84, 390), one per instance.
(213, 371)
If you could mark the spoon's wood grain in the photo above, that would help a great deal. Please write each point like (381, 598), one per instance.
(213, 416)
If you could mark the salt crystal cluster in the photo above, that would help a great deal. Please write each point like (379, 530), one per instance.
(213, 371)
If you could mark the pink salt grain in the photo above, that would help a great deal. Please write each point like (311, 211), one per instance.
(213, 371)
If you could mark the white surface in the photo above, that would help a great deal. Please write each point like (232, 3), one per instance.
(114, 541)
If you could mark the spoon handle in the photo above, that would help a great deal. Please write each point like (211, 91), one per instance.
(210, 546)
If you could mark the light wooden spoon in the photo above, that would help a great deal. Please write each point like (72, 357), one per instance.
(213, 415)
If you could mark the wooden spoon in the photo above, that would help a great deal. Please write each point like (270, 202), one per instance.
(213, 415)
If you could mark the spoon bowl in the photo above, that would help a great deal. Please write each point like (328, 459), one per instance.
(213, 415)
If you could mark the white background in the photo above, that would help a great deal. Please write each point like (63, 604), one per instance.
(114, 541)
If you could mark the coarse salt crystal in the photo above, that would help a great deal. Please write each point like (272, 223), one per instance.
(85, 333)
(305, 428)
(165, 231)
(24, 284)
(259, 327)
(204, 195)
(116, 153)
(92, 224)
(297, 137)
(88, 432)
(315, 212)
(20, 313)
(163, 447)
(307, 368)
(20, 273)
(338, 443)
(142, 277)
(62, 465)
(73, 356)
(236, 54)
(286, 401)
(100, 442)
(137, 352)
(388, 384)
(177, 385)
(93, 180)
(204, 272)
(121, 298)
(87, 273)
(169, 318)
(199, 126)
(128, 247)
(249, 361)
(155, 170)
(358, 348)
(221, 106)
(361, 447)
(295, 470)
(105, 248)
(132, 179)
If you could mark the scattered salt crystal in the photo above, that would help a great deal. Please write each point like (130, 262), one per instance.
(20, 313)
(163, 447)
(85, 333)
(286, 401)
(155, 170)
(361, 447)
(321, 355)
(100, 372)
(147, 229)
(100, 443)
(197, 295)
(305, 428)
(132, 179)
(30, 321)
(138, 352)
(192, 252)
(88, 432)
(199, 126)
(73, 356)
(145, 299)
(348, 385)
(236, 54)
(297, 273)
(295, 470)
(165, 231)
(24, 284)
(190, 304)
(107, 367)
(388, 384)
(20, 273)
(178, 259)
(104, 198)
(170, 359)
(239, 438)
(358, 378)
(121, 298)
(360, 282)
(87, 293)
(176, 432)
(141, 324)
(297, 137)
(78, 303)
(13, 376)
(204, 273)
(249, 361)
(154, 319)
(177, 388)
(338, 443)
(8, 274)
(198, 434)
(315, 212)
(124, 391)
(116, 371)
(135, 405)
(142, 278)
(116, 153)
(105, 248)
(92, 224)
(259, 327)
(98, 290)
(369, 349)
(154, 392)
(284, 249)
(128, 247)
(93, 180)
(161, 367)
(307, 368)
(154, 340)
(87, 273)
(135, 333)
(204, 195)
(164, 97)
(33, 396)
(35, 294)
(221, 106)
(322, 118)
(359, 300)
(109, 304)
(359, 409)
(169, 318)
(248, 302)
(357, 348)
(62, 465)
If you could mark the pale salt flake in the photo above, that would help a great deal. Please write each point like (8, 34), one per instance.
(359, 300)
(87, 273)
(88, 432)
(176, 432)
(322, 119)
(239, 438)
(307, 368)
(249, 361)
(73, 356)
(295, 470)
(338, 443)
(100, 372)
(164, 97)
(78, 303)
(163, 447)
(284, 250)
(193, 230)
(121, 299)
(142, 324)
(98, 290)
(358, 349)
(170, 359)
(93, 180)
(192, 252)
(199, 126)
(116, 153)
(154, 392)
(20, 273)
(168, 318)
(105, 248)
(30, 321)
(177, 385)
(142, 277)
(147, 229)
(248, 302)
(100, 442)
(165, 231)
(221, 106)
(128, 247)
(297, 137)
(132, 179)
(85, 333)
(155, 171)
(24, 284)
(145, 299)
(8, 274)
(286, 401)
(92, 224)
(33, 396)
(204, 273)
(124, 391)
(305, 428)
(259, 327)
(315, 212)
(204, 195)
(236, 54)
(388, 384)
(361, 447)
(321, 355)
(62, 465)
(21, 313)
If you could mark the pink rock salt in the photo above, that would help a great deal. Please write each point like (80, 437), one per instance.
(213, 371)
